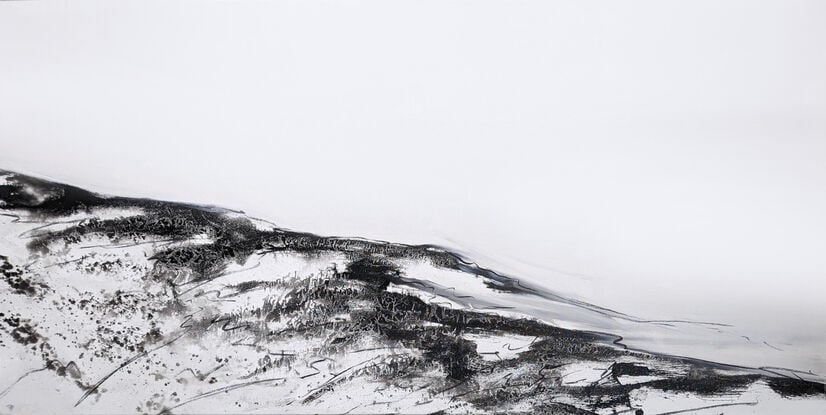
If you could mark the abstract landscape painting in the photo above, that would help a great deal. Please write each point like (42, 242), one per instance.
(413, 207)
(122, 305)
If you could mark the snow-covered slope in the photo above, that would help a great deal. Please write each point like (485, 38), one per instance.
(118, 305)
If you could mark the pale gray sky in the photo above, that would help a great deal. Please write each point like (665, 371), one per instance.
(673, 152)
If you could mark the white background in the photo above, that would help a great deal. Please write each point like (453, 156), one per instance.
(669, 157)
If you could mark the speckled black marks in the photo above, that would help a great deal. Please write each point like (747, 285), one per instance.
(16, 279)
(167, 306)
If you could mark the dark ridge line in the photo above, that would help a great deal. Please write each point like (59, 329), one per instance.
(467, 266)
(139, 201)
(809, 372)
(549, 295)
(764, 370)
(462, 263)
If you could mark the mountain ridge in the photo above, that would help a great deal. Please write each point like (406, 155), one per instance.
(171, 276)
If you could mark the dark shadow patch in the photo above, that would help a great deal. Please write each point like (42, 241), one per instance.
(788, 387)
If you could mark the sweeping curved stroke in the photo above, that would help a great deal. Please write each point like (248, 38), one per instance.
(112, 304)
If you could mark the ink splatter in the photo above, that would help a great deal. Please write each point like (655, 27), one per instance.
(111, 304)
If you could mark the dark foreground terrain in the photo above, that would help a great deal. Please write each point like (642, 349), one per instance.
(119, 305)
